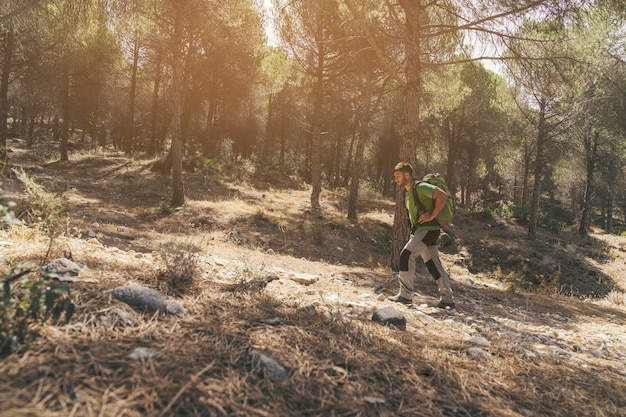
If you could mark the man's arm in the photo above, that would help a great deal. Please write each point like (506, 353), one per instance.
(439, 201)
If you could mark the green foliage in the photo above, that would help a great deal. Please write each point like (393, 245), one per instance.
(505, 209)
(508, 209)
(6, 213)
(208, 162)
(481, 213)
(599, 249)
(181, 265)
(27, 302)
(45, 208)
(550, 223)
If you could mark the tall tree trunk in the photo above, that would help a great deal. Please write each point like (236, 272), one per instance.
(176, 151)
(591, 147)
(449, 134)
(526, 175)
(271, 100)
(410, 136)
(65, 104)
(360, 148)
(316, 139)
(614, 172)
(283, 140)
(4, 89)
(539, 164)
(353, 137)
(210, 136)
(154, 117)
(128, 145)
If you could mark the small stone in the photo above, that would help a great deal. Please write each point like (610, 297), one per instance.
(480, 341)
(64, 267)
(477, 353)
(390, 316)
(596, 353)
(274, 368)
(304, 279)
(144, 353)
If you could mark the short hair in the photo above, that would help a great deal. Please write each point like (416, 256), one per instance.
(403, 167)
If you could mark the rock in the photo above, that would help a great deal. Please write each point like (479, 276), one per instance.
(374, 400)
(304, 279)
(144, 353)
(174, 307)
(595, 353)
(274, 368)
(480, 341)
(272, 321)
(390, 316)
(117, 316)
(64, 267)
(142, 298)
(445, 239)
(424, 316)
(308, 309)
(477, 353)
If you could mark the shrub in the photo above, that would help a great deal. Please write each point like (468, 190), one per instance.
(180, 265)
(616, 297)
(27, 302)
(479, 213)
(505, 209)
(44, 207)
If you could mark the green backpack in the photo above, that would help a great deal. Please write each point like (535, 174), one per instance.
(447, 213)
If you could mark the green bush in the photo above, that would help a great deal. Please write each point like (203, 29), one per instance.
(505, 209)
(480, 213)
(27, 302)
(45, 208)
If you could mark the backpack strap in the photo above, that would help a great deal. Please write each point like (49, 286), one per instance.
(418, 203)
(416, 199)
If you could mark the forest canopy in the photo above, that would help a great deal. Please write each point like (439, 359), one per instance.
(520, 104)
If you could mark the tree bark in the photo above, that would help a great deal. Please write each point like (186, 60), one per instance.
(176, 151)
(4, 90)
(128, 145)
(65, 104)
(591, 147)
(412, 11)
(360, 148)
(154, 117)
(316, 139)
(269, 134)
(538, 173)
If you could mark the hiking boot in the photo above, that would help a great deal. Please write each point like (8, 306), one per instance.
(398, 298)
(445, 305)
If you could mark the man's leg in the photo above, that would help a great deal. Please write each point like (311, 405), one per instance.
(407, 268)
(434, 266)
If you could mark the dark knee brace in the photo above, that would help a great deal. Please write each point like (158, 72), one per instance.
(432, 268)
(404, 259)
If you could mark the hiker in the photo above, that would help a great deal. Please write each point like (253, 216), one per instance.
(425, 229)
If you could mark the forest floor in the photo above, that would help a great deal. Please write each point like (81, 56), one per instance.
(303, 343)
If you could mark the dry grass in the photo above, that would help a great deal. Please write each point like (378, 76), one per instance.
(338, 362)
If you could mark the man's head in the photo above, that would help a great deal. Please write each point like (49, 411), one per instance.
(402, 174)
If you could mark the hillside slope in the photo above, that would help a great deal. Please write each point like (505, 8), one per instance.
(278, 318)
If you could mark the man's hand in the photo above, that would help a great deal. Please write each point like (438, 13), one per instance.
(425, 218)
(439, 200)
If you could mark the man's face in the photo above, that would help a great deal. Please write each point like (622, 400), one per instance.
(400, 178)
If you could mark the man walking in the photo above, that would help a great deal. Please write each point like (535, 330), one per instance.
(424, 233)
